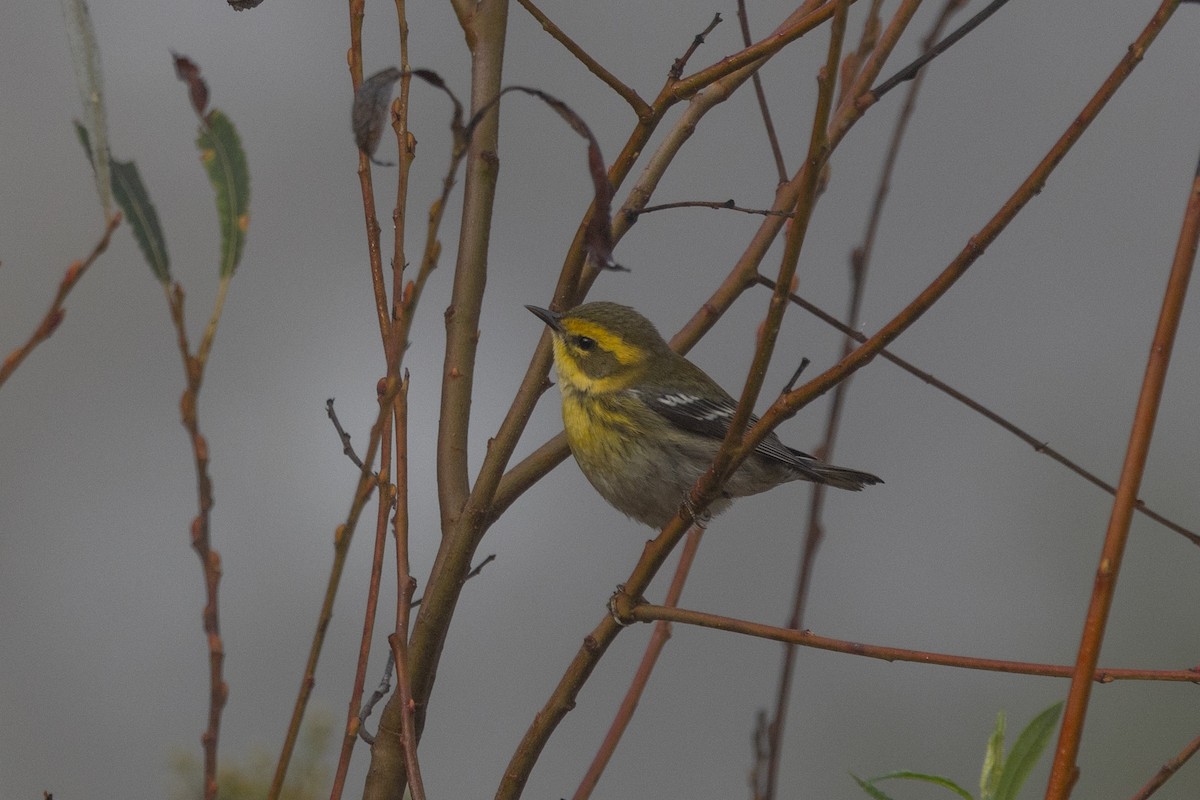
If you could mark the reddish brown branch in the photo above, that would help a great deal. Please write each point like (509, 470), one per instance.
(628, 610)
(1168, 769)
(341, 549)
(210, 560)
(1064, 770)
(354, 712)
(54, 316)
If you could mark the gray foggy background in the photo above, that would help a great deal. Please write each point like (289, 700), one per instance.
(975, 545)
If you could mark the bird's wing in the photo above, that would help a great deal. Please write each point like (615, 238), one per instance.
(710, 417)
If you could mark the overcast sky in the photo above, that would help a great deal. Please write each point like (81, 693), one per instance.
(975, 544)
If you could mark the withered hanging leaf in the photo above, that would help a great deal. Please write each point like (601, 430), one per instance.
(435, 80)
(187, 71)
(242, 5)
(598, 236)
(369, 114)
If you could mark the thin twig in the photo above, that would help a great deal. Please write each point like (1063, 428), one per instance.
(55, 314)
(1038, 445)
(1168, 769)
(347, 448)
(726, 205)
(761, 96)
(406, 585)
(910, 71)
(386, 501)
(385, 682)
(341, 549)
(629, 610)
(366, 185)
(210, 560)
(639, 106)
(382, 689)
(684, 88)
(677, 67)
(658, 640)
(1063, 771)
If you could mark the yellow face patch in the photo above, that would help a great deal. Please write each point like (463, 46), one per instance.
(622, 351)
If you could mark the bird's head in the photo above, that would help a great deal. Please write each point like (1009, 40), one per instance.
(601, 347)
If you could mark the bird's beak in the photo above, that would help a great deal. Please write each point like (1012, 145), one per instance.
(551, 318)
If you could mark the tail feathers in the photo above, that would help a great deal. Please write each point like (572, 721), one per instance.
(839, 477)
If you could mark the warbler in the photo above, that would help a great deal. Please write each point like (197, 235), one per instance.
(644, 423)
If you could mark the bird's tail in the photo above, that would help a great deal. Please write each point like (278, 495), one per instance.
(818, 471)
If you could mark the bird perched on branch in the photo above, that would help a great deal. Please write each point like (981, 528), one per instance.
(644, 423)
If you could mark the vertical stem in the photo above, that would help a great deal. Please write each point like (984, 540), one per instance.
(1064, 770)
(485, 27)
(487, 32)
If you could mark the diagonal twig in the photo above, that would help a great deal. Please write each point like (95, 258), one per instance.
(54, 316)
(761, 96)
(1168, 769)
(640, 106)
(1037, 444)
(910, 71)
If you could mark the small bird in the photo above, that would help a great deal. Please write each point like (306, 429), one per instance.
(644, 423)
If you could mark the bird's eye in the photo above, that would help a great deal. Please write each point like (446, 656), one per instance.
(585, 343)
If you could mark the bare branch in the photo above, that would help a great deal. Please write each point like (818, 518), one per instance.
(629, 610)
(761, 95)
(1063, 770)
(55, 314)
(639, 106)
(1038, 445)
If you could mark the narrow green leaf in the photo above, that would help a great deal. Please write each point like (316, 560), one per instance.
(143, 219)
(1026, 751)
(870, 788)
(936, 780)
(89, 78)
(225, 161)
(993, 761)
(140, 214)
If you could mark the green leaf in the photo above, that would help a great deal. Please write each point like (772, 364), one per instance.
(993, 761)
(134, 200)
(936, 780)
(143, 219)
(869, 788)
(89, 78)
(225, 161)
(1026, 751)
